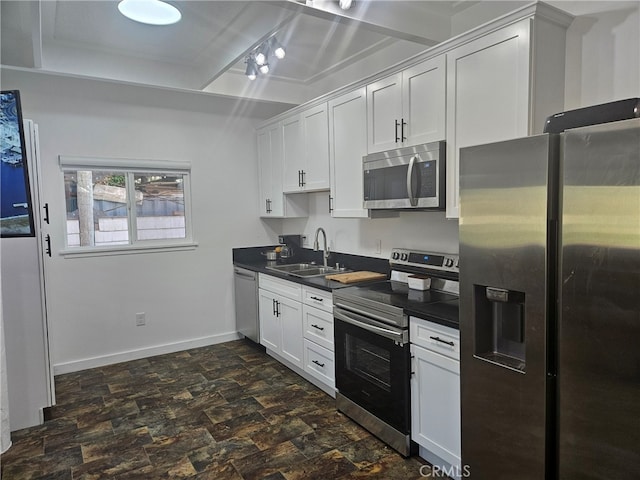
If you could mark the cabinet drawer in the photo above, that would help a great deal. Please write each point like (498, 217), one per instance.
(319, 362)
(317, 298)
(282, 287)
(318, 326)
(435, 337)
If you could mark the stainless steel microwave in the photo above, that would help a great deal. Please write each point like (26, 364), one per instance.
(406, 178)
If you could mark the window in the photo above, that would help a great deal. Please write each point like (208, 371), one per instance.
(118, 204)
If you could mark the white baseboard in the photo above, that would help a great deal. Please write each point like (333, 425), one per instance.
(93, 362)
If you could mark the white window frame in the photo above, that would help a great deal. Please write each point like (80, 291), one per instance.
(129, 167)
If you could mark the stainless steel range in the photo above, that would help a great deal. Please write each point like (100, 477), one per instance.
(373, 361)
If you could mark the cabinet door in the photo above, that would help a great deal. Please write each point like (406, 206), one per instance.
(315, 127)
(435, 404)
(270, 170)
(423, 102)
(384, 111)
(348, 144)
(292, 154)
(270, 331)
(487, 96)
(290, 315)
(264, 166)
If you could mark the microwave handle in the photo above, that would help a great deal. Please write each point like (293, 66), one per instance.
(412, 198)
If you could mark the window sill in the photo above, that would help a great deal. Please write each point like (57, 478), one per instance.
(78, 252)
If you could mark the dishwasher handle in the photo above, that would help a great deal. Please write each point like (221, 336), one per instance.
(243, 274)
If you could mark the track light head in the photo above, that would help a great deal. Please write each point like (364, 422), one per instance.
(345, 4)
(252, 71)
(262, 55)
(264, 68)
(277, 48)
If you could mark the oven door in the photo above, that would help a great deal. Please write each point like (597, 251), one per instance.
(373, 367)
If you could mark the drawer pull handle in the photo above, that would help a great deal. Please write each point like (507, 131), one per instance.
(316, 326)
(317, 299)
(318, 363)
(438, 339)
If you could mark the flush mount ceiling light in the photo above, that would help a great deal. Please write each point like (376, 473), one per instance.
(151, 12)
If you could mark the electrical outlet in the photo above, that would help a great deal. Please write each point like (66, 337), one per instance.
(141, 319)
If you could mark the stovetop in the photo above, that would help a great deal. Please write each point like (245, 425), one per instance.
(432, 305)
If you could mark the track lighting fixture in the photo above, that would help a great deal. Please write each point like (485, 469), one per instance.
(258, 60)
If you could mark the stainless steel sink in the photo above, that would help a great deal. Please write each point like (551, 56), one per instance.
(306, 269)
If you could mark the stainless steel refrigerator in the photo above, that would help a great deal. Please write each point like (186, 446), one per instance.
(550, 305)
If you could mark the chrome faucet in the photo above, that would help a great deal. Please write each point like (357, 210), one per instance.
(316, 246)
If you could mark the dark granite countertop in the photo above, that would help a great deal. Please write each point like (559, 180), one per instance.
(252, 259)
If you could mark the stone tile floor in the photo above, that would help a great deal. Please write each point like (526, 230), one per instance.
(225, 412)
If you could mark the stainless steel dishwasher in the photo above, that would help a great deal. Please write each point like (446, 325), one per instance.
(246, 294)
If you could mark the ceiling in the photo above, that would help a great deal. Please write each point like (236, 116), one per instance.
(206, 51)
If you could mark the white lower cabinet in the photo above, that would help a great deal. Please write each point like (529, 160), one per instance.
(296, 327)
(317, 313)
(280, 314)
(435, 393)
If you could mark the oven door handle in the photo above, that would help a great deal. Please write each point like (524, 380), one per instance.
(360, 313)
(400, 337)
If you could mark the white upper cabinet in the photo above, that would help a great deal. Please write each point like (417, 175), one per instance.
(292, 153)
(270, 156)
(500, 86)
(270, 165)
(347, 146)
(407, 108)
(306, 151)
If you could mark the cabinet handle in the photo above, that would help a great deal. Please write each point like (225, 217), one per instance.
(47, 239)
(330, 204)
(299, 178)
(438, 339)
(46, 213)
(317, 299)
(317, 326)
(318, 363)
(304, 180)
(277, 308)
(403, 123)
(396, 131)
(275, 311)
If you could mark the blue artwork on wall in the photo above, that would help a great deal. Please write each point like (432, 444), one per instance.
(16, 215)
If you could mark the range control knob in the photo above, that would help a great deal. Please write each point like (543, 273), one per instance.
(395, 255)
(448, 262)
(404, 257)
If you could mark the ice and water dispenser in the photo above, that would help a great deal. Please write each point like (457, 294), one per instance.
(500, 326)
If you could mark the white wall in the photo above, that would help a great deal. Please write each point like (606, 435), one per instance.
(187, 296)
(603, 52)
(418, 230)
